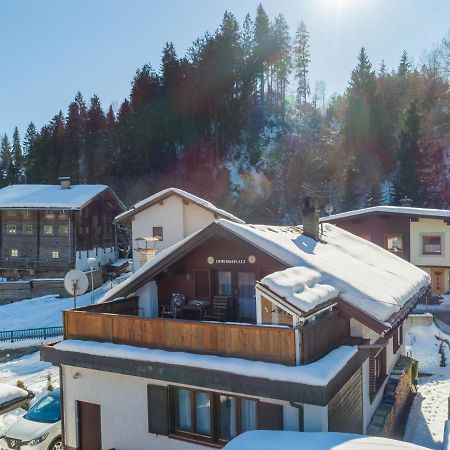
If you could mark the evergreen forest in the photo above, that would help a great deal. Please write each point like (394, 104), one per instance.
(237, 120)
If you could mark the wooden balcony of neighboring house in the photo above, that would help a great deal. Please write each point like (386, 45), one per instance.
(10, 262)
(118, 322)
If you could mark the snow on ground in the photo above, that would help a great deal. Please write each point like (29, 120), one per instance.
(429, 411)
(33, 373)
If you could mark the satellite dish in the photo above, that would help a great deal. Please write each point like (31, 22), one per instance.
(76, 282)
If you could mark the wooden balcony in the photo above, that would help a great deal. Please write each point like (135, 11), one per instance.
(108, 323)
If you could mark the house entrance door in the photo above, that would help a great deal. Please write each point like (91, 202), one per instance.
(437, 282)
(89, 426)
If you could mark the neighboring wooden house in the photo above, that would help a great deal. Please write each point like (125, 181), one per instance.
(299, 335)
(166, 218)
(418, 235)
(47, 230)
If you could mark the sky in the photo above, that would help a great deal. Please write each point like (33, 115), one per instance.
(50, 49)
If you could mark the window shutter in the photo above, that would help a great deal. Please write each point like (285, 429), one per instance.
(158, 418)
(372, 379)
(270, 416)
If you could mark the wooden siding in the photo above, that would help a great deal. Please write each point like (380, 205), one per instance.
(322, 335)
(271, 344)
(345, 412)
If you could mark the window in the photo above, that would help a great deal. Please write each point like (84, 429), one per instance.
(377, 372)
(215, 416)
(396, 340)
(394, 243)
(26, 213)
(14, 252)
(11, 212)
(12, 228)
(273, 314)
(432, 245)
(49, 214)
(55, 254)
(63, 230)
(62, 214)
(27, 228)
(158, 233)
(48, 230)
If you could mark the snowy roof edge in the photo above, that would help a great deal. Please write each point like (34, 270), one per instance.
(386, 209)
(149, 201)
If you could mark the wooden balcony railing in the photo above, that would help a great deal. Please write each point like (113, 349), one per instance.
(261, 343)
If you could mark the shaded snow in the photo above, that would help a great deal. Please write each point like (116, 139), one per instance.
(9, 393)
(429, 411)
(48, 196)
(318, 373)
(295, 440)
(33, 372)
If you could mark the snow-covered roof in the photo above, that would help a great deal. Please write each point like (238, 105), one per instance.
(342, 265)
(405, 210)
(294, 440)
(10, 393)
(48, 196)
(155, 198)
(318, 373)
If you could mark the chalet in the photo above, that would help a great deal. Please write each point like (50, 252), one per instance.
(234, 328)
(47, 230)
(166, 218)
(418, 235)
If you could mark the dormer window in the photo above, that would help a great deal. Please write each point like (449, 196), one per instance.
(158, 233)
(394, 243)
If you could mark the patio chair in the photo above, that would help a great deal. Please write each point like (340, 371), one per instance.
(173, 311)
(219, 309)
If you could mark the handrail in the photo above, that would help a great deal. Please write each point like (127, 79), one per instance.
(30, 333)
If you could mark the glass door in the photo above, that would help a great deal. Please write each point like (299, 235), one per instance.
(246, 304)
(223, 283)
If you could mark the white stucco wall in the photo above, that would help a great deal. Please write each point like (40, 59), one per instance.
(196, 218)
(102, 255)
(148, 300)
(124, 410)
(429, 226)
(177, 219)
(315, 418)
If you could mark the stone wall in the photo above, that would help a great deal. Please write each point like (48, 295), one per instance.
(14, 291)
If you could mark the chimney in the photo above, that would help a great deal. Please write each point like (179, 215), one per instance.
(65, 182)
(311, 216)
(407, 202)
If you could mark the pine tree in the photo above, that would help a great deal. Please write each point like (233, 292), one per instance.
(404, 66)
(17, 153)
(5, 153)
(302, 58)
(408, 154)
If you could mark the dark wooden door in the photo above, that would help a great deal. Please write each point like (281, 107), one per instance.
(89, 426)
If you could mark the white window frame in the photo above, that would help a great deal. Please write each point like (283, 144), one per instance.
(10, 227)
(49, 234)
(12, 251)
(435, 255)
(55, 254)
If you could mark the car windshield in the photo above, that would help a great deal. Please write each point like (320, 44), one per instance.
(46, 410)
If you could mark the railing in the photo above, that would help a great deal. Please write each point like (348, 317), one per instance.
(255, 342)
(32, 333)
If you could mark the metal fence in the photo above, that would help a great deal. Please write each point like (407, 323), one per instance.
(32, 333)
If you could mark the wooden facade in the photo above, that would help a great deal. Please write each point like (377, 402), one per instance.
(44, 242)
(270, 344)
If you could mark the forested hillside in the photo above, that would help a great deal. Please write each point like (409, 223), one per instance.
(222, 122)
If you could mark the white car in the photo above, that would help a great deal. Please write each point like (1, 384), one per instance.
(38, 429)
